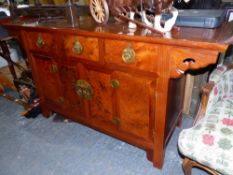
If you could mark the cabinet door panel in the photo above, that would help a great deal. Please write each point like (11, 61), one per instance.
(49, 79)
(100, 105)
(133, 99)
(69, 76)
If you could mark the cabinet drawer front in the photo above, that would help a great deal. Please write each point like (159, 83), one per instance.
(138, 55)
(82, 47)
(40, 41)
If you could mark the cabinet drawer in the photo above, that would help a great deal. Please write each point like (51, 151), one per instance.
(82, 47)
(132, 54)
(41, 41)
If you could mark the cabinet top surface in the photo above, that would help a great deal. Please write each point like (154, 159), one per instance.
(218, 38)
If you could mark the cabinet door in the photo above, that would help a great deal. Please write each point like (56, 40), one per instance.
(120, 100)
(49, 82)
(69, 77)
(135, 102)
(100, 100)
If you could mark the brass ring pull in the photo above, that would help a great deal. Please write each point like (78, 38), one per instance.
(77, 47)
(128, 55)
(115, 84)
(40, 41)
(84, 89)
(53, 68)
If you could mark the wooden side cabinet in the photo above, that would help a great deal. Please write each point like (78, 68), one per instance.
(130, 87)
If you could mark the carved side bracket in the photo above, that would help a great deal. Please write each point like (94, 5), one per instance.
(184, 65)
(186, 59)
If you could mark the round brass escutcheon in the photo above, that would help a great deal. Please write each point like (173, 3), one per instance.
(115, 84)
(40, 41)
(128, 55)
(84, 89)
(77, 47)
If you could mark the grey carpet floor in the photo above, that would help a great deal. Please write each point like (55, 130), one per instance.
(44, 147)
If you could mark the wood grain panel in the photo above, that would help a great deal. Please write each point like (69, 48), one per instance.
(146, 54)
(68, 76)
(90, 47)
(175, 102)
(133, 100)
(51, 85)
(49, 44)
(100, 106)
(183, 59)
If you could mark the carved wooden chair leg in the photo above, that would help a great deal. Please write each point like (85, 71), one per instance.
(187, 166)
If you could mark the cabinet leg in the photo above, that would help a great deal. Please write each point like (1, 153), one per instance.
(45, 110)
(158, 164)
(149, 155)
(158, 161)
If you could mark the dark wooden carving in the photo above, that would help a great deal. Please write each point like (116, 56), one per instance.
(122, 6)
(124, 10)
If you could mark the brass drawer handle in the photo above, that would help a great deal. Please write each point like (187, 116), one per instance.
(116, 121)
(84, 89)
(77, 47)
(128, 55)
(115, 84)
(53, 68)
(40, 41)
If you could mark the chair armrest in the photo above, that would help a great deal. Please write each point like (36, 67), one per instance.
(206, 89)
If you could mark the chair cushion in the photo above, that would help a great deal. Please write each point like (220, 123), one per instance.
(216, 74)
(222, 89)
(210, 141)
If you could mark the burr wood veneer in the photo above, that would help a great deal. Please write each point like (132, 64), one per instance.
(126, 84)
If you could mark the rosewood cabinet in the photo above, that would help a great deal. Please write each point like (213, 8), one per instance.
(130, 87)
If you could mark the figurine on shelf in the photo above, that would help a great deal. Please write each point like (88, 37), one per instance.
(150, 12)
